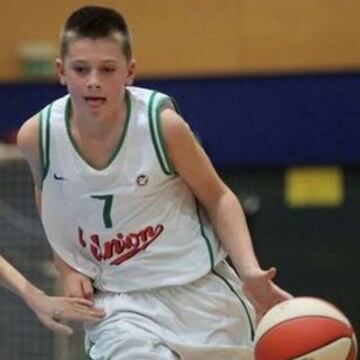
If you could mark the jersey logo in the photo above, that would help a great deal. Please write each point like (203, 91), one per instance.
(121, 247)
(58, 177)
(142, 180)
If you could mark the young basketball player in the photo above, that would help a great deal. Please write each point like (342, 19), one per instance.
(49, 309)
(134, 209)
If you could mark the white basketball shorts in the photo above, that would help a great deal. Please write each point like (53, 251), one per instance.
(209, 318)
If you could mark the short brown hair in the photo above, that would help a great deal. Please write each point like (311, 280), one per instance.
(95, 22)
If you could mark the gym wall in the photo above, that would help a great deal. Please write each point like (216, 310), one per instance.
(175, 38)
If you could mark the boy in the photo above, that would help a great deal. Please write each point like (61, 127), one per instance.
(48, 309)
(133, 208)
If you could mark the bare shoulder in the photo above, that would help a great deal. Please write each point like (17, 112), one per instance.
(175, 130)
(180, 143)
(189, 159)
(27, 137)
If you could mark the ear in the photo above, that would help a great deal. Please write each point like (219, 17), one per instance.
(131, 73)
(60, 69)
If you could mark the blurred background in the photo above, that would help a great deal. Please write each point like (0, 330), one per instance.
(271, 88)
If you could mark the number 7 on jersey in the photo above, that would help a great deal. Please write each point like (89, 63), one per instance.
(108, 200)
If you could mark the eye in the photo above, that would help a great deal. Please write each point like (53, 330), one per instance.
(80, 69)
(108, 69)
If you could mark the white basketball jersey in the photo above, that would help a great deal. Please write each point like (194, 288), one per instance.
(134, 224)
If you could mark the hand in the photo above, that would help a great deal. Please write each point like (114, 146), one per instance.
(77, 285)
(50, 310)
(261, 291)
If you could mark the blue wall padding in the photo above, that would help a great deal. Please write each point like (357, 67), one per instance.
(244, 121)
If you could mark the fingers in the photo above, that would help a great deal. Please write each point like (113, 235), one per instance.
(73, 289)
(271, 273)
(55, 325)
(78, 309)
(61, 328)
(283, 295)
(81, 301)
(82, 313)
(87, 289)
(77, 285)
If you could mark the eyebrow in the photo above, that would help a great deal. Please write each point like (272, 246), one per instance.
(85, 62)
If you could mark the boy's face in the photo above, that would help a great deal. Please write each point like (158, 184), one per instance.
(95, 72)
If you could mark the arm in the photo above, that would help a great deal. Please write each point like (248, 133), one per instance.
(44, 306)
(223, 208)
(49, 309)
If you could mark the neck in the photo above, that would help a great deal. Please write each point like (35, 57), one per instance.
(98, 125)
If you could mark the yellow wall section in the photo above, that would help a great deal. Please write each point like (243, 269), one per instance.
(313, 186)
(206, 37)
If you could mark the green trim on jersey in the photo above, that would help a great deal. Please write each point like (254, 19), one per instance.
(156, 102)
(41, 152)
(122, 137)
(252, 328)
(207, 241)
(44, 141)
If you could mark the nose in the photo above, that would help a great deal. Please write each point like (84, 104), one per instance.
(93, 81)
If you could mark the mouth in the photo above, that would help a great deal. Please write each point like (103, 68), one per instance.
(95, 101)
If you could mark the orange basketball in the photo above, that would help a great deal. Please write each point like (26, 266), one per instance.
(305, 328)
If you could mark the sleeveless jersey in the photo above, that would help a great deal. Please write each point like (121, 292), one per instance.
(134, 224)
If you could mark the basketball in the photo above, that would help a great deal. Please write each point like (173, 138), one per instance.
(305, 328)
